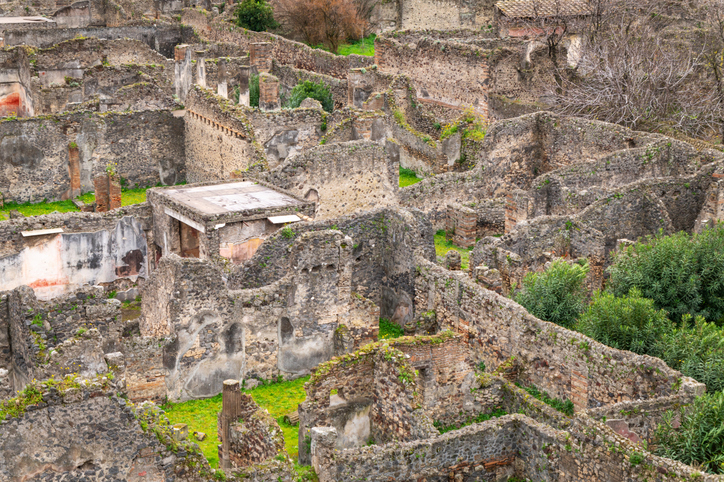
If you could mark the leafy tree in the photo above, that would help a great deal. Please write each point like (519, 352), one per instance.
(682, 273)
(254, 91)
(696, 350)
(700, 438)
(556, 294)
(256, 15)
(315, 90)
(628, 323)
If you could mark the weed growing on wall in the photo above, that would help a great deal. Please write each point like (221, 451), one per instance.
(389, 329)
(562, 406)
(482, 417)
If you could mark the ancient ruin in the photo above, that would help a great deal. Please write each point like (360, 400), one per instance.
(274, 243)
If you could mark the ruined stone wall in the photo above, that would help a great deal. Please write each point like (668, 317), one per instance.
(161, 39)
(446, 72)
(572, 188)
(566, 364)
(286, 133)
(382, 270)
(93, 248)
(219, 138)
(343, 178)
(289, 77)
(255, 437)
(147, 148)
(285, 51)
(445, 15)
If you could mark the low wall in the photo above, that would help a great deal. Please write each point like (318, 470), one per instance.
(565, 363)
(161, 39)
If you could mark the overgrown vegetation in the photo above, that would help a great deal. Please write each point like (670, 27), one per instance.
(364, 46)
(408, 177)
(557, 294)
(256, 15)
(682, 273)
(389, 329)
(314, 90)
(629, 322)
(481, 417)
(442, 246)
(699, 440)
(254, 91)
(37, 209)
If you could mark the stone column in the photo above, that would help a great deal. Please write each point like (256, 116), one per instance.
(230, 412)
(260, 57)
(268, 92)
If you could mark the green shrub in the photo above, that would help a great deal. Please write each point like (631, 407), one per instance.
(389, 329)
(563, 406)
(254, 91)
(628, 323)
(682, 273)
(315, 90)
(256, 15)
(556, 294)
(700, 438)
(696, 349)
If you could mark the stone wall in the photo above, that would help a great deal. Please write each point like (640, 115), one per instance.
(161, 39)
(91, 249)
(566, 364)
(219, 138)
(342, 178)
(284, 51)
(147, 148)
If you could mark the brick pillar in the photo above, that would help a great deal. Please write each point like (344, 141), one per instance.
(360, 84)
(466, 227)
(74, 169)
(179, 52)
(103, 200)
(114, 191)
(260, 57)
(516, 209)
(230, 412)
(268, 92)
(579, 387)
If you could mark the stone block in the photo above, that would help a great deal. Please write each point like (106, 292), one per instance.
(180, 431)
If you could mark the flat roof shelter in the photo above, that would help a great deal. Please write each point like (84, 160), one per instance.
(223, 219)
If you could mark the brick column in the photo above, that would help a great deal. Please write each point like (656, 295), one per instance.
(268, 92)
(74, 169)
(463, 222)
(103, 200)
(114, 191)
(260, 57)
(516, 209)
(179, 52)
(579, 387)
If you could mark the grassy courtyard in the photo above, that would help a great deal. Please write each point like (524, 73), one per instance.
(442, 246)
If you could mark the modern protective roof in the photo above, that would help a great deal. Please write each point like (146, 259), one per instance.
(543, 8)
(230, 197)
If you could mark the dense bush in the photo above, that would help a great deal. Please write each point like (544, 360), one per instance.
(315, 90)
(696, 349)
(628, 323)
(256, 15)
(254, 91)
(700, 438)
(682, 273)
(556, 294)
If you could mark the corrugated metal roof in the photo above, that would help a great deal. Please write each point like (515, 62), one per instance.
(543, 8)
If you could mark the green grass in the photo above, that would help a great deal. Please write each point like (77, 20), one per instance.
(128, 197)
(565, 407)
(408, 177)
(37, 209)
(200, 415)
(442, 246)
(482, 417)
(365, 46)
(389, 330)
